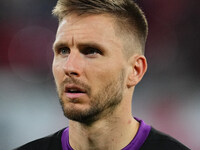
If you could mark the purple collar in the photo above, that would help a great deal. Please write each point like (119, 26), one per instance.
(135, 144)
(140, 137)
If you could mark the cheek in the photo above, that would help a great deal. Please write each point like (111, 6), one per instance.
(99, 77)
(106, 74)
(57, 72)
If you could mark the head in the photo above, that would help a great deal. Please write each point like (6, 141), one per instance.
(98, 55)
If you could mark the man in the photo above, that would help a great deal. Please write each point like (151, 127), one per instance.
(98, 61)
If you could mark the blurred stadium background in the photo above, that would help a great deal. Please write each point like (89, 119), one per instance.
(168, 97)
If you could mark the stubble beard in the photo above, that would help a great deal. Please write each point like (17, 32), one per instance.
(101, 105)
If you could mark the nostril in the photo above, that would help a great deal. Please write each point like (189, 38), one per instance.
(73, 73)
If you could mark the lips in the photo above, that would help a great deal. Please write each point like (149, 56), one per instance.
(74, 91)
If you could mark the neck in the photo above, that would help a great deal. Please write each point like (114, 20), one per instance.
(113, 132)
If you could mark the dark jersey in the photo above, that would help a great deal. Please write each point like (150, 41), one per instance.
(51, 142)
(147, 138)
(160, 141)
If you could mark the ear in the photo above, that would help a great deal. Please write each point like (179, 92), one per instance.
(137, 69)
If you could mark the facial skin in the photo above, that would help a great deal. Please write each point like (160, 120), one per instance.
(88, 57)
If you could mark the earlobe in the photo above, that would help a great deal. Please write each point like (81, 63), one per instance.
(138, 67)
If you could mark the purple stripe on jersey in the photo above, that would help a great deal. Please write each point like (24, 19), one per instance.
(65, 140)
(135, 144)
(140, 137)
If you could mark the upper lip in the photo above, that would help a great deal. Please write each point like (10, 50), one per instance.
(76, 87)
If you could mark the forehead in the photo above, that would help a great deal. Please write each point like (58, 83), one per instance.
(97, 28)
(96, 21)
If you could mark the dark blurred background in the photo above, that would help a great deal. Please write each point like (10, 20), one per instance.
(167, 98)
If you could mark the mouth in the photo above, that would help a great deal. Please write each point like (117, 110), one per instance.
(73, 91)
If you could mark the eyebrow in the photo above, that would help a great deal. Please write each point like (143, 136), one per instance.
(58, 44)
(80, 45)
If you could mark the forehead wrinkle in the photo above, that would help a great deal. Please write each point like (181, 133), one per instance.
(73, 40)
(65, 37)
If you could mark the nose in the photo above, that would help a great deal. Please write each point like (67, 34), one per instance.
(74, 65)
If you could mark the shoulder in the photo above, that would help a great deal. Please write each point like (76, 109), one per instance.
(50, 142)
(158, 140)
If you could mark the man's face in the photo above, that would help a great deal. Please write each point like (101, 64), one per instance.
(89, 67)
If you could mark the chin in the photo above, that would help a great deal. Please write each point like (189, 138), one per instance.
(80, 113)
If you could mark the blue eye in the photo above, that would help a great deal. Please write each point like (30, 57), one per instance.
(64, 51)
